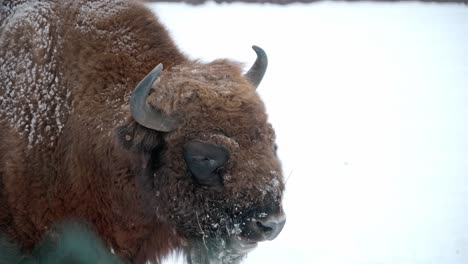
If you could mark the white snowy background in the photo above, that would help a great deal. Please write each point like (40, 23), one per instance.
(370, 105)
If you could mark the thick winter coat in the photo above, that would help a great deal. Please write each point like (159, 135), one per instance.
(191, 167)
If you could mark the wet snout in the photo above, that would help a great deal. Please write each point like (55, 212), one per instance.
(267, 228)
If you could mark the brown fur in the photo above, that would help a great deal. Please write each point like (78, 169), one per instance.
(83, 156)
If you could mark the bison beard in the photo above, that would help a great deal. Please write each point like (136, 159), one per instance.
(181, 159)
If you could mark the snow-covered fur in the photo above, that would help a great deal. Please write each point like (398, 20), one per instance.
(69, 147)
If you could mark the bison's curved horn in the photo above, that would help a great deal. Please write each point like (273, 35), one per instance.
(256, 72)
(142, 112)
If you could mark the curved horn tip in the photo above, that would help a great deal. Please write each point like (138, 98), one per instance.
(258, 50)
(257, 71)
(158, 67)
(142, 112)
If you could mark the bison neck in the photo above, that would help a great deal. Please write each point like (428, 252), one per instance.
(103, 67)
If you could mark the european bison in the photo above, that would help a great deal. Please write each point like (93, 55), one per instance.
(181, 159)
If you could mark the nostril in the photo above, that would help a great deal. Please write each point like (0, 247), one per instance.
(263, 228)
(267, 228)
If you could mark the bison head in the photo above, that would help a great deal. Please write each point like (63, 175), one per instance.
(215, 175)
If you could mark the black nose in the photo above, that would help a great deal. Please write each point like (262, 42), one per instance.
(267, 228)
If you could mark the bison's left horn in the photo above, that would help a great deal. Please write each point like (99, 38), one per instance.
(256, 72)
(142, 112)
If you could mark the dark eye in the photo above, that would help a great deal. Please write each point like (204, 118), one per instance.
(206, 163)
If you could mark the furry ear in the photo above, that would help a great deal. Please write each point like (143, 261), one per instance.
(74, 243)
(137, 138)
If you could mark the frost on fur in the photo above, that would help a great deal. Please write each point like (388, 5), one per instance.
(174, 158)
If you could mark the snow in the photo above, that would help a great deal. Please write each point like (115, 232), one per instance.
(93, 14)
(369, 104)
(31, 109)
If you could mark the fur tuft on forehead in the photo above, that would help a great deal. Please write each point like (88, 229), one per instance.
(219, 84)
(217, 70)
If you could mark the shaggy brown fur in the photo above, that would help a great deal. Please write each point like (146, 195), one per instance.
(69, 147)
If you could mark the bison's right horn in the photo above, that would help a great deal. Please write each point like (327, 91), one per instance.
(256, 72)
(142, 112)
